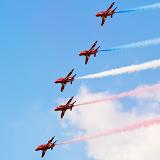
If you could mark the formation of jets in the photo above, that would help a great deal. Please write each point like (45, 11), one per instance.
(70, 78)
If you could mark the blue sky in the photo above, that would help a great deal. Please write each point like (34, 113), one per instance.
(40, 41)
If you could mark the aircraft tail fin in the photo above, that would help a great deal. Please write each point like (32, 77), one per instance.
(96, 51)
(53, 145)
(113, 12)
(72, 105)
(73, 78)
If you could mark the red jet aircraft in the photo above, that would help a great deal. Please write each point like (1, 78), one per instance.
(45, 147)
(66, 80)
(65, 107)
(106, 13)
(89, 52)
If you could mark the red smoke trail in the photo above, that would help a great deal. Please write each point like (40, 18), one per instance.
(132, 127)
(132, 93)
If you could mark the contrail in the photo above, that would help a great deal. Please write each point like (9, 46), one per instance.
(147, 7)
(132, 127)
(131, 93)
(140, 44)
(123, 70)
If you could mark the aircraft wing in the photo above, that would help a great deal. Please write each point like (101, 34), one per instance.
(93, 45)
(103, 21)
(110, 7)
(62, 88)
(62, 114)
(51, 140)
(69, 73)
(86, 60)
(69, 100)
(43, 153)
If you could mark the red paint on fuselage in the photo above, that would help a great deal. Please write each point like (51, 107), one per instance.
(88, 52)
(63, 80)
(104, 14)
(64, 107)
(44, 147)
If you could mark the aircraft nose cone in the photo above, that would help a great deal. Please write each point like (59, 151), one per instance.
(81, 53)
(97, 15)
(56, 109)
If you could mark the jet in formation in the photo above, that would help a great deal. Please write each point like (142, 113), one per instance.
(106, 13)
(47, 146)
(67, 79)
(63, 108)
(88, 53)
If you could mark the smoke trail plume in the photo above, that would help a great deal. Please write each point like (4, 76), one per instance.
(143, 8)
(123, 70)
(128, 128)
(132, 93)
(139, 44)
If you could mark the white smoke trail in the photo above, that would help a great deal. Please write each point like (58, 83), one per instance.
(123, 70)
(139, 44)
(147, 7)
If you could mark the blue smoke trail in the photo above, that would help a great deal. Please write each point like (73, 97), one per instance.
(147, 7)
(139, 44)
